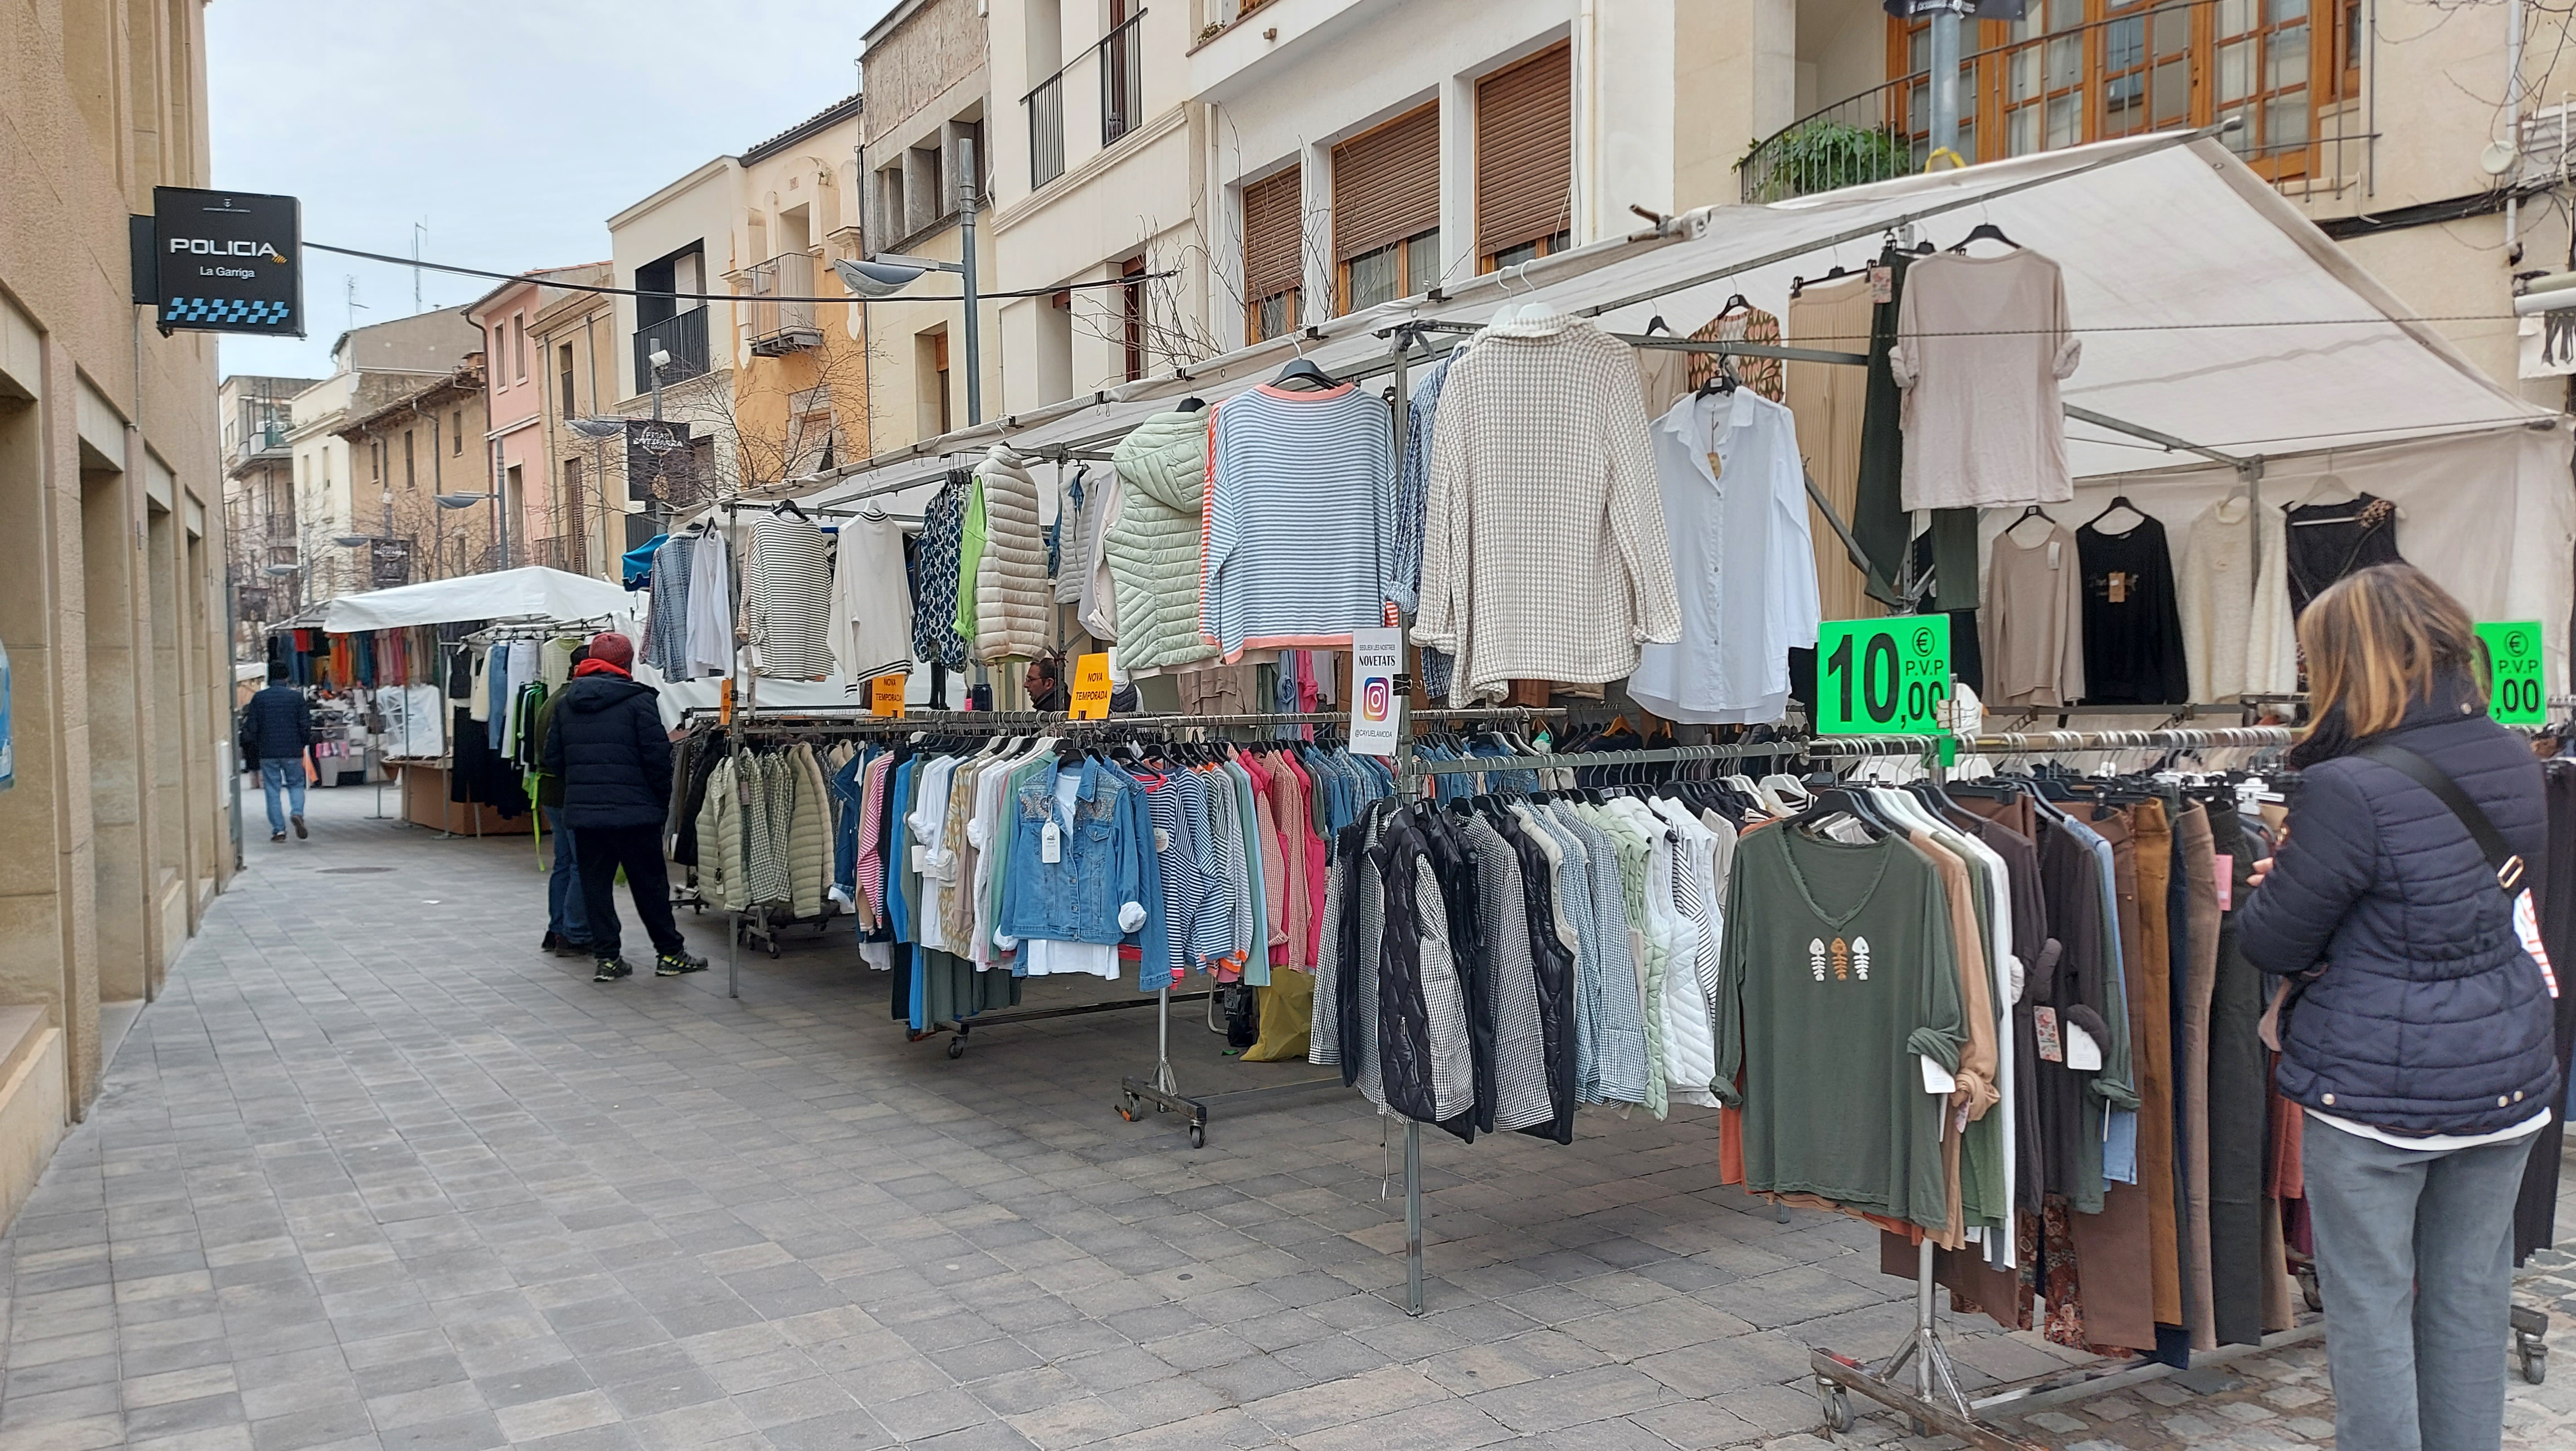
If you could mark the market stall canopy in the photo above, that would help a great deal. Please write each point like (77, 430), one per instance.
(2210, 310)
(532, 593)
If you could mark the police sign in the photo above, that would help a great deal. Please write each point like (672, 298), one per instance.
(228, 262)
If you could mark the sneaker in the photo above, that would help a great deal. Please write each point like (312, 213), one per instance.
(611, 969)
(300, 832)
(277, 836)
(673, 964)
(550, 941)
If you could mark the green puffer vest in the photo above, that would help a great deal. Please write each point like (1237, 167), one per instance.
(1153, 545)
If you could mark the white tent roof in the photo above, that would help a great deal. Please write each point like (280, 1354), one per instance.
(2208, 307)
(532, 593)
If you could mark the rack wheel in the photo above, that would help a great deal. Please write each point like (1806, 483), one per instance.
(956, 1047)
(1198, 1140)
(1837, 1404)
(1127, 1107)
(2533, 1358)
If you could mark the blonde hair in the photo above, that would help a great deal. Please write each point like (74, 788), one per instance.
(2377, 640)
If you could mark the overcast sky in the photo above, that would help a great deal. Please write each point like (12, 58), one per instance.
(513, 128)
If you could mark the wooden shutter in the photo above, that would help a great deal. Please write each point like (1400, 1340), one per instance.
(1525, 151)
(1273, 213)
(1386, 184)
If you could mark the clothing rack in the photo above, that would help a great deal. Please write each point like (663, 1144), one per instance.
(1936, 1402)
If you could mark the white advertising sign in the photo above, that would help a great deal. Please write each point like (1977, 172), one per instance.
(1377, 657)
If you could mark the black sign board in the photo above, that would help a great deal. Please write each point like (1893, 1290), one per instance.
(228, 262)
(389, 562)
(661, 467)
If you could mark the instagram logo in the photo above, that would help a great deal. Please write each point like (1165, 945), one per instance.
(1373, 700)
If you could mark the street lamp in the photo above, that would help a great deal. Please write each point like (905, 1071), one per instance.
(887, 273)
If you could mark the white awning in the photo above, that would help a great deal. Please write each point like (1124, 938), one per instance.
(2209, 308)
(532, 593)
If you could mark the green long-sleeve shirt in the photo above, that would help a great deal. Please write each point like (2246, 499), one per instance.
(1839, 968)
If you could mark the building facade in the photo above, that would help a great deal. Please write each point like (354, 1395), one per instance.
(112, 559)
(676, 247)
(531, 502)
(572, 333)
(409, 450)
(261, 557)
(370, 367)
(928, 97)
(800, 367)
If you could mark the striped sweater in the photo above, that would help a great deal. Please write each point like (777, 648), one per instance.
(1298, 541)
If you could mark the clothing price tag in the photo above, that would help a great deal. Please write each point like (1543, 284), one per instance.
(2513, 671)
(885, 695)
(2082, 1053)
(1091, 687)
(2118, 583)
(1882, 283)
(1162, 838)
(920, 855)
(1937, 1079)
(1051, 844)
(2224, 867)
(1886, 676)
(2043, 1023)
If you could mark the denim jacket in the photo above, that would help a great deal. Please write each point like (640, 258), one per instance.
(1092, 892)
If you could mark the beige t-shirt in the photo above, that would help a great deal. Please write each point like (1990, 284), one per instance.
(1981, 343)
(2032, 627)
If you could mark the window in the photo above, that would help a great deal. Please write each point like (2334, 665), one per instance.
(2075, 71)
(1525, 159)
(563, 379)
(1386, 210)
(519, 347)
(411, 475)
(1274, 255)
(1131, 317)
(456, 429)
(930, 358)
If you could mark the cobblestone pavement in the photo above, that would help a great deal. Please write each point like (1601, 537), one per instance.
(374, 1173)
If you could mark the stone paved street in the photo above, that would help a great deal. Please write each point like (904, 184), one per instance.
(375, 1173)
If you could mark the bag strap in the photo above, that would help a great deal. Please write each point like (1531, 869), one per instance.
(2506, 862)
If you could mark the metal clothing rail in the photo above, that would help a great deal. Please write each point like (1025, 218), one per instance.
(1936, 1400)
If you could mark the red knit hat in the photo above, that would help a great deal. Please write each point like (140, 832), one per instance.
(613, 648)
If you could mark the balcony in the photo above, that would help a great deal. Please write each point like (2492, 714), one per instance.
(2071, 80)
(1122, 80)
(265, 443)
(1046, 131)
(779, 326)
(567, 552)
(684, 337)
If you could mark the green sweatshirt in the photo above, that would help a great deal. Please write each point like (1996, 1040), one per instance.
(970, 554)
(1839, 968)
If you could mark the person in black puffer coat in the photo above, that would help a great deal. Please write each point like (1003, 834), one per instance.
(2415, 1027)
(276, 727)
(609, 750)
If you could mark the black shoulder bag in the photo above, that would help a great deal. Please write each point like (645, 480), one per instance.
(2506, 862)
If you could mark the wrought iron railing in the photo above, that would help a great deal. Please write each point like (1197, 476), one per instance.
(684, 337)
(1046, 130)
(2183, 63)
(1122, 80)
(779, 327)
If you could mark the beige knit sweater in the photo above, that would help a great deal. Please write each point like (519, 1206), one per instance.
(1013, 600)
(1543, 550)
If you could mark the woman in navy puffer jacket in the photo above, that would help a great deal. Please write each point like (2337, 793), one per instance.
(2416, 1030)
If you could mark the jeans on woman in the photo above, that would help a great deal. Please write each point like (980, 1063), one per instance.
(566, 916)
(288, 775)
(2415, 1264)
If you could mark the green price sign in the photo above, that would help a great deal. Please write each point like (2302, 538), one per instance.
(2513, 660)
(1882, 677)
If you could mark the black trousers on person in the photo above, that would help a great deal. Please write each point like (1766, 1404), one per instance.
(602, 850)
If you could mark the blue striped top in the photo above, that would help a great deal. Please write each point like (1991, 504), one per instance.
(1297, 546)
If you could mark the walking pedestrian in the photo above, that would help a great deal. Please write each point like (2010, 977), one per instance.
(609, 750)
(567, 915)
(278, 725)
(2413, 1023)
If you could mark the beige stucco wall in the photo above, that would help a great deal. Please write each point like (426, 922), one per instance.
(111, 535)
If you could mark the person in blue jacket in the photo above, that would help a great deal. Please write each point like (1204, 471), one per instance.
(277, 725)
(2413, 1022)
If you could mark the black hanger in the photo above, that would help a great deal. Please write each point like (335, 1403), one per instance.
(1735, 302)
(2024, 517)
(2118, 502)
(1303, 369)
(1656, 324)
(1842, 800)
(1721, 381)
(1189, 405)
(788, 506)
(1985, 232)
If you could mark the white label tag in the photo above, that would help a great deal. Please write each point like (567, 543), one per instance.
(2054, 547)
(1051, 844)
(920, 856)
(1937, 1079)
(1162, 838)
(2082, 1053)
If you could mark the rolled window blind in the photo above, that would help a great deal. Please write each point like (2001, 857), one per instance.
(1525, 151)
(1273, 214)
(1386, 184)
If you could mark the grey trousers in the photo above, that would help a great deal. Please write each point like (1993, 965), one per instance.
(2416, 1269)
